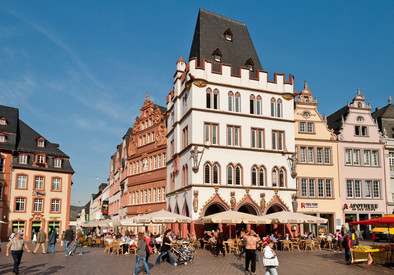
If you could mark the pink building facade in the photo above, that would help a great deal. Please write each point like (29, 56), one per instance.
(361, 163)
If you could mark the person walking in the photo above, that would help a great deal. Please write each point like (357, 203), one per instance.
(347, 244)
(166, 248)
(142, 249)
(52, 241)
(251, 245)
(41, 237)
(68, 237)
(16, 246)
(78, 242)
(269, 253)
(219, 244)
(62, 238)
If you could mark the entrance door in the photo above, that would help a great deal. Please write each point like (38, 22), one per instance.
(35, 228)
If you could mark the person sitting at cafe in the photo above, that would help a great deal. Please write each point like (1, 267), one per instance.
(287, 237)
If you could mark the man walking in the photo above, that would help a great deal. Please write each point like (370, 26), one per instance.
(251, 244)
(52, 241)
(68, 237)
(41, 237)
(16, 245)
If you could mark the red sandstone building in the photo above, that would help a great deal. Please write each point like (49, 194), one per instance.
(145, 185)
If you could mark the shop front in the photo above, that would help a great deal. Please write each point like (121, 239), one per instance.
(320, 210)
(362, 211)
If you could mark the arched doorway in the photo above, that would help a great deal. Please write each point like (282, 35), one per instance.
(213, 209)
(271, 228)
(248, 209)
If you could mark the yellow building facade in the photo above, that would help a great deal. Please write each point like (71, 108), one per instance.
(317, 165)
(39, 199)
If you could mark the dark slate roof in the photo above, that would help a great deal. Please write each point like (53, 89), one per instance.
(209, 36)
(334, 120)
(27, 142)
(21, 138)
(385, 119)
(385, 112)
(10, 130)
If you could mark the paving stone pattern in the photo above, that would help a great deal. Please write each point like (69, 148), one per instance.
(95, 261)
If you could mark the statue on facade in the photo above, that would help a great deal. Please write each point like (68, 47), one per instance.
(262, 202)
(233, 201)
(145, 164)
(294, 202)
(194, 153)
(195, 201)
(293, 161)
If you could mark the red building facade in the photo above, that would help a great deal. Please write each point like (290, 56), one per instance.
(145, 184)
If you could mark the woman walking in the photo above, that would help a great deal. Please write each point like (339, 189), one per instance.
(269, 259)
(141, 254)
(166, 248)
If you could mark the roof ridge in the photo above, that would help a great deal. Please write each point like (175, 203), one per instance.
(222, 16)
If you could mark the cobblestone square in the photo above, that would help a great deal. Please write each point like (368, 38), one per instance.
(95, 261)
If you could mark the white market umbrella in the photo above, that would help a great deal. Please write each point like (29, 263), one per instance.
(162, 216)
(291, 217)
(129, 222)
(234, 217)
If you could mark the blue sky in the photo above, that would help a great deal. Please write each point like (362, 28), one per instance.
(79, 70)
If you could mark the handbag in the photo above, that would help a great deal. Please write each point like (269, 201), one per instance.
(270, 261)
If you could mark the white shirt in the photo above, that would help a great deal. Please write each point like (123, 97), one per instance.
(268, 252)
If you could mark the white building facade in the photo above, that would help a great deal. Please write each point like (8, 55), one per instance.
(230, 136)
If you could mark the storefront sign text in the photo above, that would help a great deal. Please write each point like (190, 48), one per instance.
(361, 206)
(309, 204)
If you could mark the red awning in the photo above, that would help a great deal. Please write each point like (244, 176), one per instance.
(378, 221)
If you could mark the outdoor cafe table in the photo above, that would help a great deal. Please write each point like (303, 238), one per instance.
(368, 257)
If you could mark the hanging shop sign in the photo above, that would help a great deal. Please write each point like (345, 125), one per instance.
(309, 205)
(361, 206)
(104, 208)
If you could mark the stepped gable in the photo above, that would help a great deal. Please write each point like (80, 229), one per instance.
(218, 35)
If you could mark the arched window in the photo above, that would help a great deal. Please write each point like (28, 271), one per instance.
(229, 175)
(254, 176)
(237, 175)
(215, 173)
(279, 108)
(275, 177)
(259, 110)
(261, 177)
(282, 178)
(208, 98)
(207, 173)
(230, 101)
(251, 104)
(216, 99)
(273, 103)
(237, 102)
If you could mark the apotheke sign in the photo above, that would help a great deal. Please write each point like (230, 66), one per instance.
(361, 206)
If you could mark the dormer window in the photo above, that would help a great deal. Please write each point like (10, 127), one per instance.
(41, 142)
(250, 64)
(228, 35)
(57, 163)
(2, 138)
(40, 159)
(3, 121)
(23, 159)
(217, 55)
